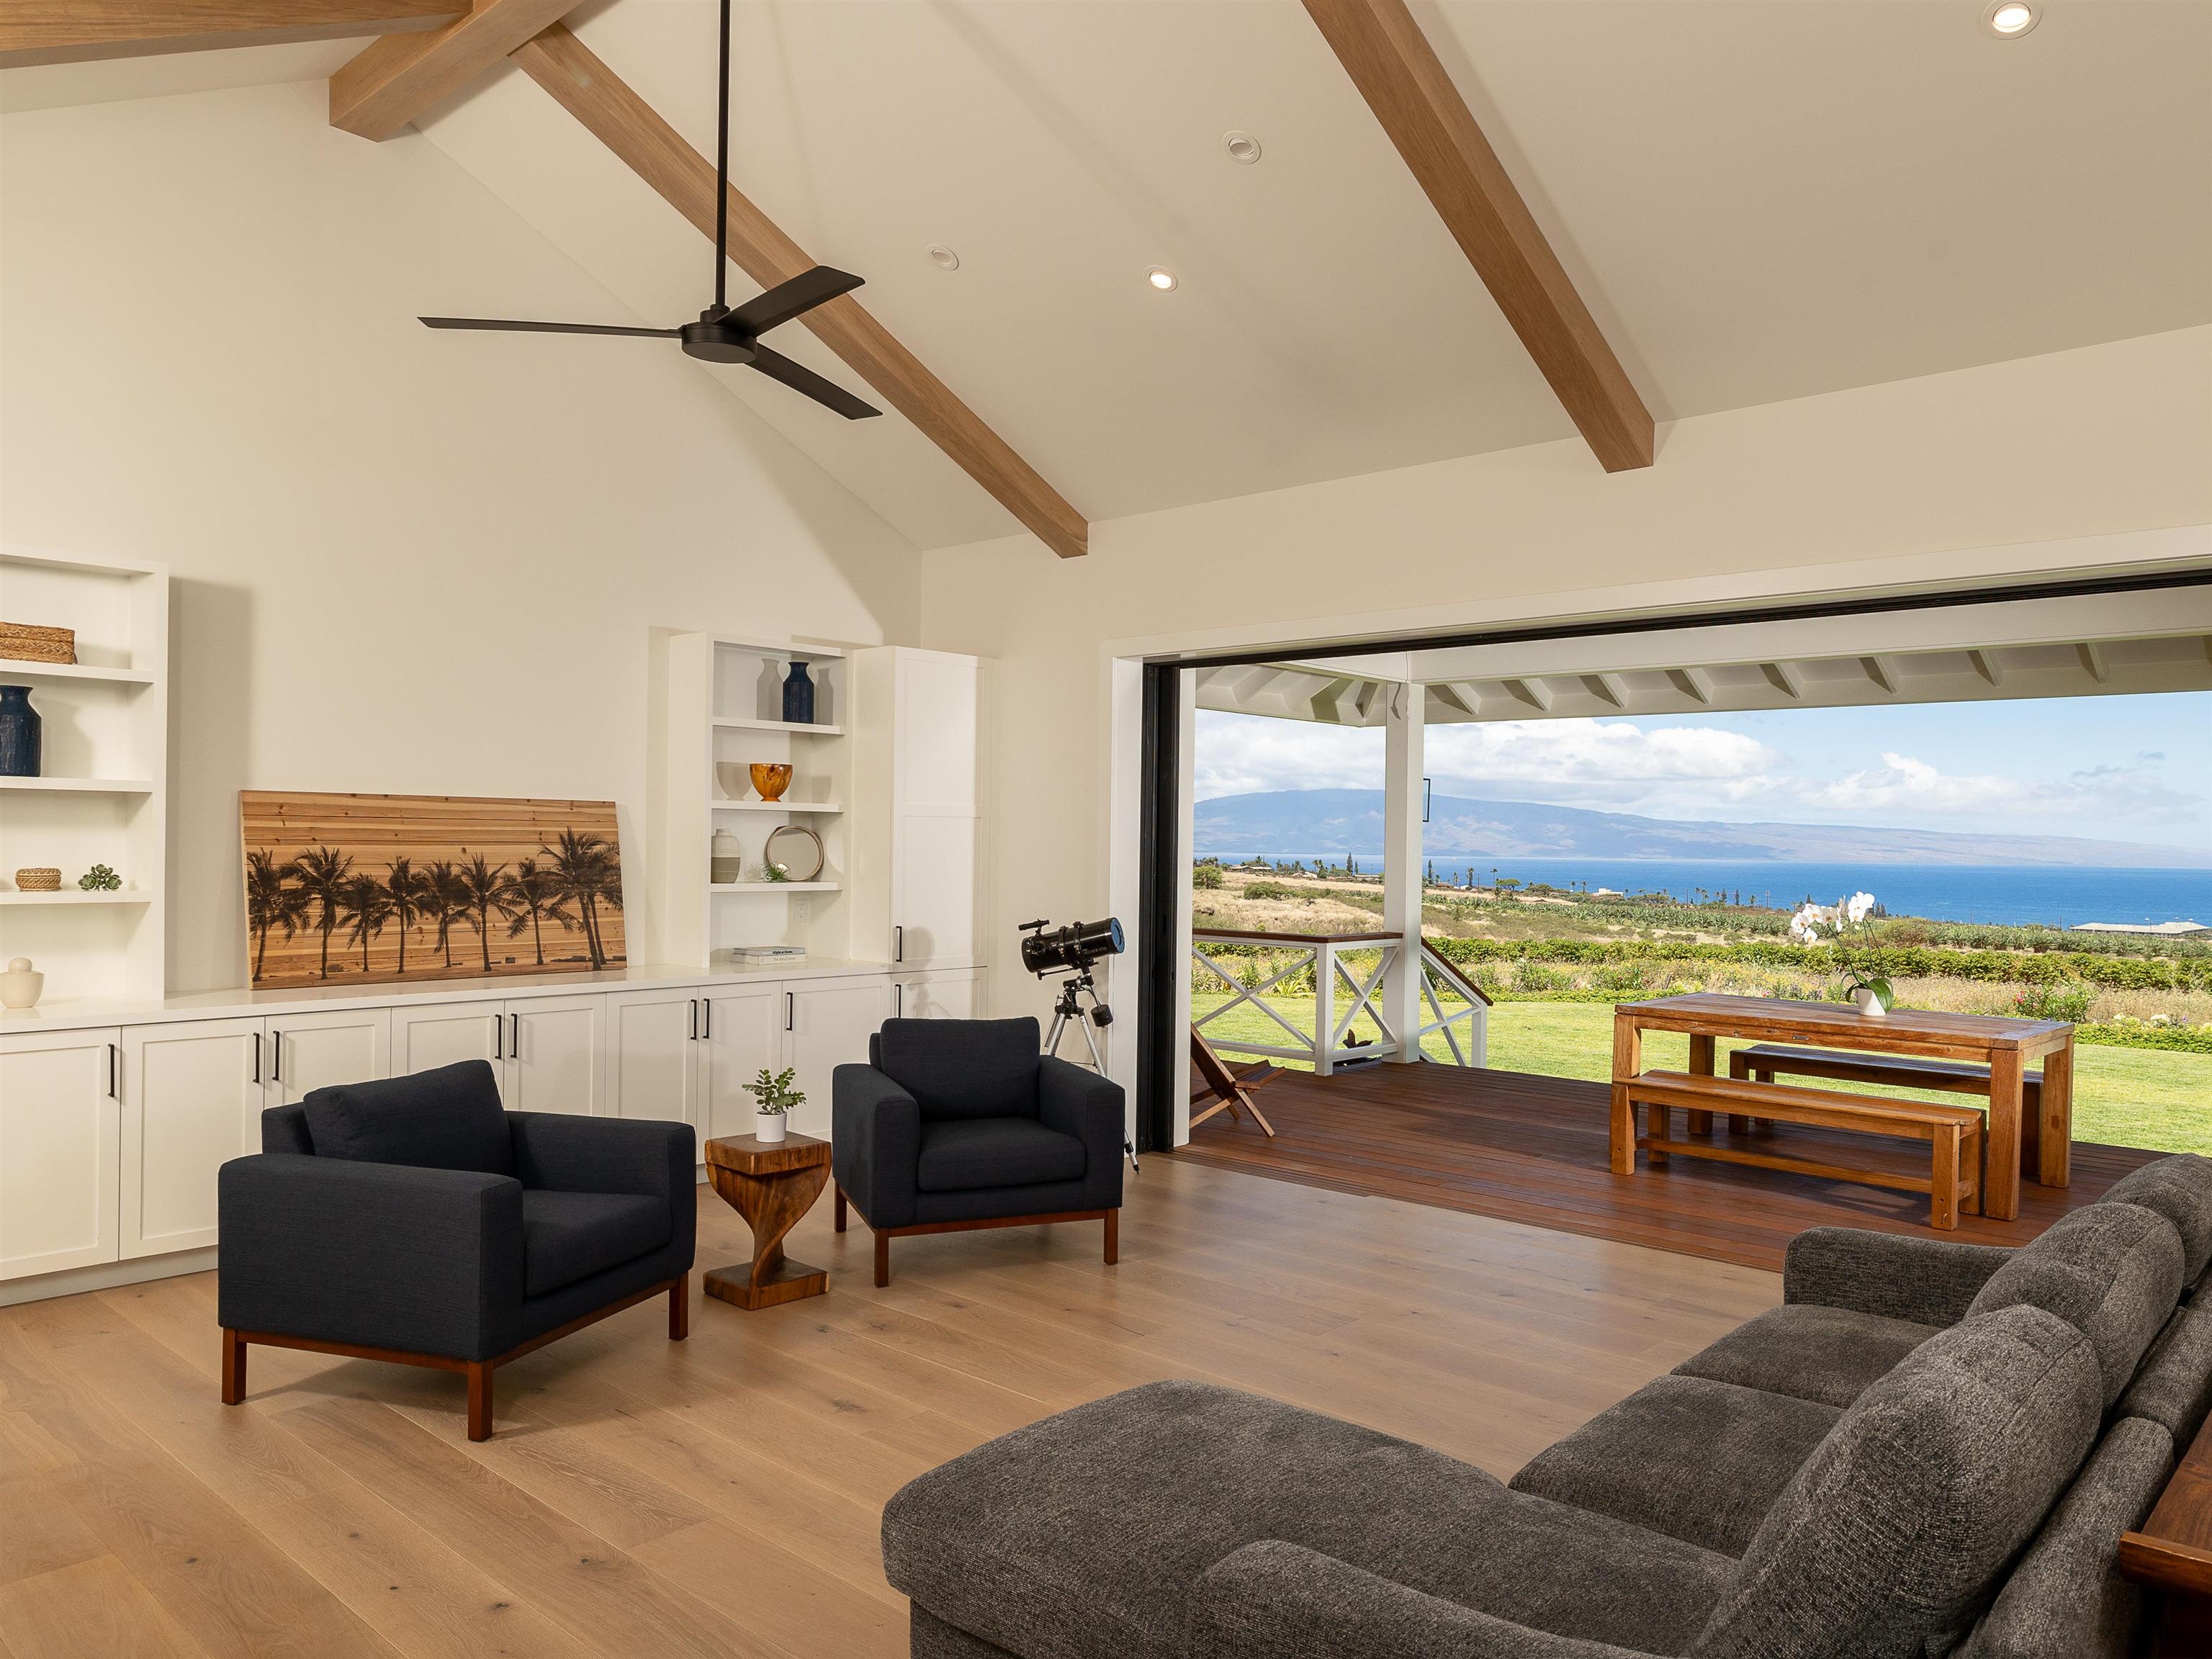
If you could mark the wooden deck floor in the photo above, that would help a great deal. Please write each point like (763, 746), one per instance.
(1533, 1149)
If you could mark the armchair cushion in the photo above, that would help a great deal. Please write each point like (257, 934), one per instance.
(566, 1236)
(964, 1154)
(1810, 1351)
(446, 1119)
(960, 1068)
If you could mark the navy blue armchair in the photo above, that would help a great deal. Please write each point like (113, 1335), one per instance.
(412, 1219)
(960, 1123)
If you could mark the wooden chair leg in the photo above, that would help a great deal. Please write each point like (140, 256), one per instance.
(233, 1367)
(840, 1209)
(1656, 1118)
(1114, 1234)
(1943, 1200)
(679, 1308)
(883, 1260)
(479, 1400)
(1623, 1137)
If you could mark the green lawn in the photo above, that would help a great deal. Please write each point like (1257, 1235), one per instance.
(2121, 1097)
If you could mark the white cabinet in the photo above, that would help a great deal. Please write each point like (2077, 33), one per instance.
(60, 1150)
(427, 1035)
(742, 1036)
(305, 1052)
(950, 995)
(826, 1024)
(652, 1044)
(191, 1098)
(918, 789)
(554, 1055)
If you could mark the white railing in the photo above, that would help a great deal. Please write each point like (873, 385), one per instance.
(1343, 990)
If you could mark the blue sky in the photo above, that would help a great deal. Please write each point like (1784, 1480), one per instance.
(2135, 769)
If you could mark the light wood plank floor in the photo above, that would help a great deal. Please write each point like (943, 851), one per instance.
(721, 1495)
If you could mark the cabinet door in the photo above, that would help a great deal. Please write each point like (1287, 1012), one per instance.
(306, 1052)
(741, 1035)
(934, 996)
(439, 1034)
(934, 904)
(192, 1099)
(827, 1023)
(651, 1042)
(60, 1151)
(556, 1054)
(934, 813)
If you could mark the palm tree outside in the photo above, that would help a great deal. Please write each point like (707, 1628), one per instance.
(322, 876)
(272, 902)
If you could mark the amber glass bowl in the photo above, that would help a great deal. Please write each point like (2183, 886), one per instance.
(771, 779)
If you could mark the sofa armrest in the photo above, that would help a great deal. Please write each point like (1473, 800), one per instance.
(1271, 1600)
(1076, 1101)
(375, 1256)
(1930, 1281)
(561, 1152)
(875, 1144)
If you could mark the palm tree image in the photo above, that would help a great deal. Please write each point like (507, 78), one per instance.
(588, 872)
(272, 902)
(403, 885)
(538, 900)
(445, 901)
(488, 889)
(368, 905)
(321, 877)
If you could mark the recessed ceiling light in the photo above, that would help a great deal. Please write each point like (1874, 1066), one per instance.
(1160, 277)
(2007, 19)
(944, 257)
(1241, 147)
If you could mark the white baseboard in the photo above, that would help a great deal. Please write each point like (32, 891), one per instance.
(76, 1281)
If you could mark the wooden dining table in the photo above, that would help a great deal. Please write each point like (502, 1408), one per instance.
(2007, 1046)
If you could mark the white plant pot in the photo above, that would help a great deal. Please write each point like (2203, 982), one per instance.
(1868, 1003)
(768, 1126)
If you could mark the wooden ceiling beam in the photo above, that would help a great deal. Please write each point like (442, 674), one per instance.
(1396, 70)
(630, 127)
(80, 31)
(398, 77)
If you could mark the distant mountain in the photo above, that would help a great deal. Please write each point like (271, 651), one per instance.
(1301, 823)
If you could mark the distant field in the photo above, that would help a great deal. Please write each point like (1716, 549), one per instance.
(2121, 1097)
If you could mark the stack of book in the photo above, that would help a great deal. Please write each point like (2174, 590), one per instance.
(768, 956)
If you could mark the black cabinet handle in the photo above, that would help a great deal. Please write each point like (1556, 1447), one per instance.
(498, 1037)
(275, 1056)
(514, 1037)
(790, 1011)
(111, 1057)
(257, 1057)
(695, 1020)
(898, 1001)
(898, 945)
(708, 1003)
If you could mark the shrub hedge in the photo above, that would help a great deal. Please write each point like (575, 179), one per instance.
(2032, 968)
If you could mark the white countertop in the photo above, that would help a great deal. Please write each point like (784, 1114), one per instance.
(65, 1014)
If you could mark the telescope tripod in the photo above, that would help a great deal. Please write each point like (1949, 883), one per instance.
(1070, 1011)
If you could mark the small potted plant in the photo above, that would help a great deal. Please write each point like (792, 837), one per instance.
(1872, 994)
(773, 1097)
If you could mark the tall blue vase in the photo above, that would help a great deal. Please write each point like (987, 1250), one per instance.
(798, 696)
(21, 730)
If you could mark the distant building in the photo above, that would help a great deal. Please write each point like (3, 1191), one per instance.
(2164, 929)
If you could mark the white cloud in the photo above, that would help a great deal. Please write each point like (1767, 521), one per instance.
(1904, 784)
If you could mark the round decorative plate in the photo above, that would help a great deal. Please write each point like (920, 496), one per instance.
(801, 852)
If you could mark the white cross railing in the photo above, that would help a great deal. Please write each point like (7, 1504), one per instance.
(1343, 990)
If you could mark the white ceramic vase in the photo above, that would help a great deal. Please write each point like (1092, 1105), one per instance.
(19, 986)
(768, 1126)
(1869, 1003)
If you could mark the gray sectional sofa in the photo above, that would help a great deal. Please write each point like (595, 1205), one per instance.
(1930, 1448)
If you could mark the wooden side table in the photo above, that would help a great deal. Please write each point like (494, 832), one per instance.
(771, 1184)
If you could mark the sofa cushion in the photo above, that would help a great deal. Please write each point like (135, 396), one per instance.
(1832, 1355)
(2174, 1389)
(963, 1068)
(1892, 1536)
(962, 1155)
(2065, 1595)
(2111, 1271)
(1697, 1460)
(566, 1236)
(1087, 1533)
(2179, 1188)
(446, 1119)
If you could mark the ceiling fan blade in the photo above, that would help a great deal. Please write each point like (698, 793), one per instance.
(787, 299)
(799, 378)
(547, 328)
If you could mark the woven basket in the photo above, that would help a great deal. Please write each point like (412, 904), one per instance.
(46, 880)
(26, 643)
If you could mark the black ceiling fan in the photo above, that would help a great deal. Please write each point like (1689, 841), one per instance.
(724, 335)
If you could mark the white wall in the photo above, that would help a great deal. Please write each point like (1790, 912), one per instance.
(1885, 485)
(404, 561)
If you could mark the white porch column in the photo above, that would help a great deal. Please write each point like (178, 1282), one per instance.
(1401, 861)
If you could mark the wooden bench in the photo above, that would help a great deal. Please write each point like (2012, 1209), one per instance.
(1763, 1062)
(1954, 1132)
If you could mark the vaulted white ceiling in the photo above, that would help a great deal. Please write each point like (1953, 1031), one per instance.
(1759, 200)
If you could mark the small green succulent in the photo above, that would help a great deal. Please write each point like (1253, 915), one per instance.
(100, 879)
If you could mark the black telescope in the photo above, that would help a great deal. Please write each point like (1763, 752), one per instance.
(1069, 950)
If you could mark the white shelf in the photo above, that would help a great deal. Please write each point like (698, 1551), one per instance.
(801, 728)
(22, 668)
(775, 886)
(81, 786)
(79, 895)
(784, 649)
(774, 806)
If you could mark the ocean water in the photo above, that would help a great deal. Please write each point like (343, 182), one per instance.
(2013, 894)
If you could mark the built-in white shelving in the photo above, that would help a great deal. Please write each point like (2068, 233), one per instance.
(775, 886)
(102, 797)
(727, 724)
(787, 807)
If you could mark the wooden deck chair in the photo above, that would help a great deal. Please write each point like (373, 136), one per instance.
(1226, 1088)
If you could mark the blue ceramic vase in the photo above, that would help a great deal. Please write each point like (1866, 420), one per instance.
(20, 732)
(798, 696)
